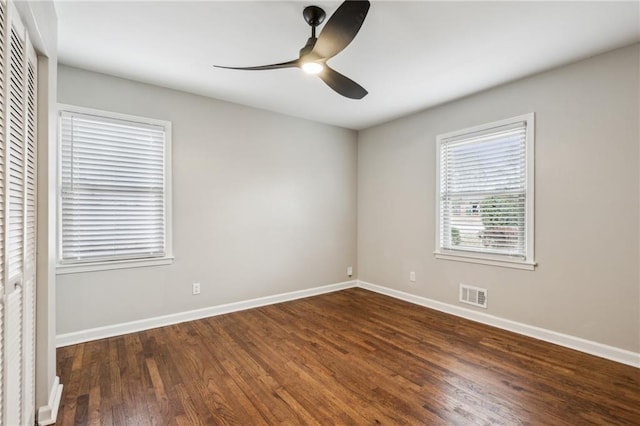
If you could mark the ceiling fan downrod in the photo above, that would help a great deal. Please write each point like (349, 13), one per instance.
(314, 16)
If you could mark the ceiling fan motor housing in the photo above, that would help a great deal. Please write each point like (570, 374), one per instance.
(313, 15)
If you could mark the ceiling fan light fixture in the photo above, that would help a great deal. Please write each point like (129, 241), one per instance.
(312, 67)
(338, 32)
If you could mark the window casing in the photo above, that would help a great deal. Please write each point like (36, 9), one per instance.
(115, 191)
(485, 194)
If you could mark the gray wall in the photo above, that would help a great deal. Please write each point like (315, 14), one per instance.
(587, 283)
(265, 204)
(262, 204)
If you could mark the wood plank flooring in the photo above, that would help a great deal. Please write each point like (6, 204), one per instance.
(350, 357)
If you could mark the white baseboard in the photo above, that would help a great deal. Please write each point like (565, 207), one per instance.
(161, 321)
(598, 349)
(47, 414)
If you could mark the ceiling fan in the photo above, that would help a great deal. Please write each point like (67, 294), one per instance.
(338, 32)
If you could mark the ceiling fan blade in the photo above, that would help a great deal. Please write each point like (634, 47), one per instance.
(289, 64)
(341, 28)
(341, 84)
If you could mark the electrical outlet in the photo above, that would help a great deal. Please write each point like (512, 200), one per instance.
(412, 276)
(349, 271)
(196, 288)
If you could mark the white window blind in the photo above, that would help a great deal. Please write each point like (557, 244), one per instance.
(114, 188)
(484, 191)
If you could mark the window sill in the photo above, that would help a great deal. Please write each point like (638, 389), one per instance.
(114, 264)
(487, 260)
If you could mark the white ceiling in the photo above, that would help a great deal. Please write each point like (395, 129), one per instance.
(408, 55)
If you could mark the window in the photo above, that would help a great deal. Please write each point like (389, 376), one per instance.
(115, 191)
(484, 205)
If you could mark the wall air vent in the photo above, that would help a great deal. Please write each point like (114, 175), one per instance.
(473, 295)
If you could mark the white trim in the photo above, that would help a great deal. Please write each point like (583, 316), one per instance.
(47, 414)
(485, 258)
(110, 114)
(594, 348)
(167, 259)
(531, 187)
(161, 321)
(112, 264)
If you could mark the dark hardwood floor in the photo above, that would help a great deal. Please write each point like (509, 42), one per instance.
(350, 357)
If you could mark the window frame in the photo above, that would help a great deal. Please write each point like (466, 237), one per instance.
(78, 267)
(528, 263)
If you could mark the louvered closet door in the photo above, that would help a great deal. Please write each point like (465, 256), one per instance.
(15, 220)
(29, 276)
(18, 162)
(3, 143)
